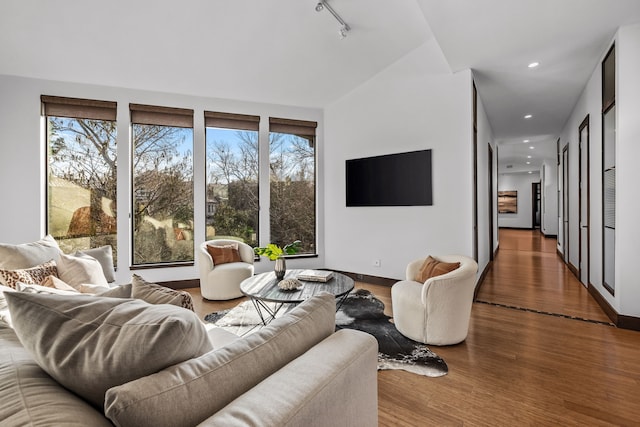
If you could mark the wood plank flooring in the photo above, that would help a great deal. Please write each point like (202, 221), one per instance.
(529, 273)
(517, 367)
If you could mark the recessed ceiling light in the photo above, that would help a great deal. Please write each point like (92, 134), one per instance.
(528, 157)
(525, 141)
(528, 116)
(530, 172)
(528, 163)
(531, 148)
(533, 64)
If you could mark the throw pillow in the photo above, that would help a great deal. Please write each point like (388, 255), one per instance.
(54, 282)
(26, 255)
(122, 291)
(90, 344)
(5, 316)
(31, 276)
(157, 294)
(432, 268)
(38, 289)
(76, 271)
(104, 255)
(87, 288)
(224, 254)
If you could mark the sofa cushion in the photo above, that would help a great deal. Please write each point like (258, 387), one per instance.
(38, 289)
(224, 254)
(90, 344)
(78, 270)
(157, 294)
(30, 276)
(104, 255)
(431, 267)
(14, 257)
(210, 382)
(30, 397)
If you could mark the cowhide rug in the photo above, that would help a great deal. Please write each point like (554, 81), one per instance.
(362, 311)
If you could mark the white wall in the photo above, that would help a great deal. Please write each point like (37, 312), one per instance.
(626, 300)
(414, 104)
(521, 182)
(627, 171)
(22, 161)
(589, 103)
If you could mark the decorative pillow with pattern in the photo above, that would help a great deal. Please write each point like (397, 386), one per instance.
(31, 276)
(158, 294)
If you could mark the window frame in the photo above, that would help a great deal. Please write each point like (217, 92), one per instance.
(152, 115)
(240, 122)
(299, 128)
(80, 109)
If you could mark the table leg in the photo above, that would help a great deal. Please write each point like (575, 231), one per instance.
(271, 312)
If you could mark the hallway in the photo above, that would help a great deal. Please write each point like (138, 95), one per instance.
(527, 273)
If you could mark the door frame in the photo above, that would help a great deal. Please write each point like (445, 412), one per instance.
(565, 203)
(491, 205)
(584, 125)
(536, 188)
(475, 172)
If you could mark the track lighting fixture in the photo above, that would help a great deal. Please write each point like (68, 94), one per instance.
(344, 27)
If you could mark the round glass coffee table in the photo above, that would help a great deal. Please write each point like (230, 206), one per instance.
(263, 289)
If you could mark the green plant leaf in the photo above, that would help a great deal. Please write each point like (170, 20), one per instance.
(273, 251)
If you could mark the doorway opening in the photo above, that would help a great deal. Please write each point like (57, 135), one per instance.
(536, 203)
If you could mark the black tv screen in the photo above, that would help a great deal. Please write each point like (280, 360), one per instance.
(402, 179)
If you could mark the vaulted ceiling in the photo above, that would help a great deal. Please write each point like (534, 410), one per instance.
(284, 52)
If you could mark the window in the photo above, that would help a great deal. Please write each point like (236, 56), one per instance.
(162, 184)
(292, 182)
(232, 199)
(81, 175)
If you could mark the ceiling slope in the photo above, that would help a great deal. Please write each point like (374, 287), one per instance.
(280, 52)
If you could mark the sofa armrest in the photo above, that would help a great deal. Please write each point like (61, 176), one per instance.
(334, 383)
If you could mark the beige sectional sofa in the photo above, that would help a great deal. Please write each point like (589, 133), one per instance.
(297, 371)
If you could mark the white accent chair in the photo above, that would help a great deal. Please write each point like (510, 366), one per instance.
(437, 311)
(222, 282)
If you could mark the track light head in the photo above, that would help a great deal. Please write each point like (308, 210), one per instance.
(343, 31)
(344, 27)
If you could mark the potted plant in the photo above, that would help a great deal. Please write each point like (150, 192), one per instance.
(276, 253)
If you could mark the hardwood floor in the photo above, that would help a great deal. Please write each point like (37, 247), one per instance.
(518, 367)
(528, 273)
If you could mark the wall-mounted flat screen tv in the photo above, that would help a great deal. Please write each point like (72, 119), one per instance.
(402, 179)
